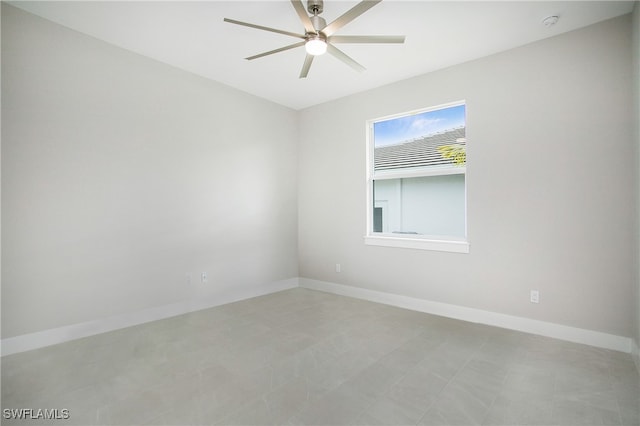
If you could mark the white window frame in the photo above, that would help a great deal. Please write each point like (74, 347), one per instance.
(421, 242)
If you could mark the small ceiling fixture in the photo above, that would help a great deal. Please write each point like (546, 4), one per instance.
(318, 37)
(550, 21)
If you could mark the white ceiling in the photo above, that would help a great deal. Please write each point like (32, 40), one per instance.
(193, 36)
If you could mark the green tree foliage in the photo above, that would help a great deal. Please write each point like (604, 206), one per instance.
(457, 153)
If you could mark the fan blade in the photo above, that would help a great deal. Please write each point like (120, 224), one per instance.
(260, 27)
(305, 67)
(302, 13)
(365, 39)
(349, 16)
(271, 52)
(344, 58)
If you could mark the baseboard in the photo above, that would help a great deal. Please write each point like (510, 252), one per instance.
(54, 336)
(558, 331)
(635, 353)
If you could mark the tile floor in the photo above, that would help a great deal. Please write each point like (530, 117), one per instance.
(302, 357)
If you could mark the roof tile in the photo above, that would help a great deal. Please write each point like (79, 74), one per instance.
(420, 152)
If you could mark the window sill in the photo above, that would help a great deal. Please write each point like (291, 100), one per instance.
(418, 243)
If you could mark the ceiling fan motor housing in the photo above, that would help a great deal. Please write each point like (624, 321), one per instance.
(318, 22)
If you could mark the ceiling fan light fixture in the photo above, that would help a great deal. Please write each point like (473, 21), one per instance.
(319, 38)
(315, 45)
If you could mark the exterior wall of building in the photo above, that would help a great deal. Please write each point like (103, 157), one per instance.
(433, 205)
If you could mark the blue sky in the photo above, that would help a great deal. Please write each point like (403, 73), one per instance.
(408, 127)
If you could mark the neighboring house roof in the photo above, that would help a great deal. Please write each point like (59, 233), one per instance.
(419, 152)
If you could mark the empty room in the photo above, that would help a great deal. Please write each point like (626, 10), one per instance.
(315, 212)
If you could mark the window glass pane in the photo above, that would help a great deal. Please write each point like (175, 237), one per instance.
(428, 205)
(377, 219)
(431, 139)
(417, 176)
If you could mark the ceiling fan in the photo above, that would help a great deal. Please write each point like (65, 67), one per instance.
(319, 37)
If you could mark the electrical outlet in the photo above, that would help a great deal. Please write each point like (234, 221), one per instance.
(535, 296)
(203, 277)
(188, 278)
(338, 268)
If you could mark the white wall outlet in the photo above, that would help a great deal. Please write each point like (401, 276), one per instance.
(188, 278)
(338, 268)
(203, 277)
(535, 296)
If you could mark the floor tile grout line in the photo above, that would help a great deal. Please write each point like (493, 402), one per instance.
(450, 381)
(391, 386)
(398, 347)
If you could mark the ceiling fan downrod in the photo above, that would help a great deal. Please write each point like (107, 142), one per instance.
(315, 7)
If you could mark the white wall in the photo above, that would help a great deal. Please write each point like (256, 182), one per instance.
(550, 180)
(121, 174)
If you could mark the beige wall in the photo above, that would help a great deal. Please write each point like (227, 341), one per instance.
(550, 184)
(121, 174)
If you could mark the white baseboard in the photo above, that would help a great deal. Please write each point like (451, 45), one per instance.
(635, 353)
(54, 336)
(558, 331)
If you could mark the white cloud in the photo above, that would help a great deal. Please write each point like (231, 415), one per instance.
(425, 124)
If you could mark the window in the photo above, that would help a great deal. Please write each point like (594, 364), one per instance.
(417, 180)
